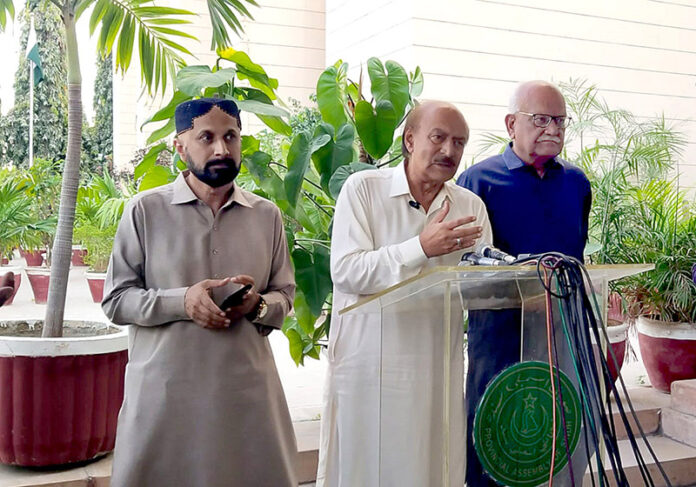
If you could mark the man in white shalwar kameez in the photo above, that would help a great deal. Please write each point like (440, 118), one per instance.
(390, 225)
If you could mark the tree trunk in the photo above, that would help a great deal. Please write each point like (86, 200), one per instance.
(62, 245)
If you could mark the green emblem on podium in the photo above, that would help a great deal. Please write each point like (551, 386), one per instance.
(513, 425)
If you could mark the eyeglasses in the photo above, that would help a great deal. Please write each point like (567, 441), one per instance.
(541, 120)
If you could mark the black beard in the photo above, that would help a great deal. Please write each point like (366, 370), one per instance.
(216, 177)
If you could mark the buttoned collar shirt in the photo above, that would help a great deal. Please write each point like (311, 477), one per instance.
(202, 406)
(529, 213)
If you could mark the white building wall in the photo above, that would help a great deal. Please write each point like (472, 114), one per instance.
(640, 53)
(286, 37)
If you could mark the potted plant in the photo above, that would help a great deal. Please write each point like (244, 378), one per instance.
(638, 217)
(98, 243)
(41, 183)
(18, 224)
(78, 381)
(99, 208)
(663, 301)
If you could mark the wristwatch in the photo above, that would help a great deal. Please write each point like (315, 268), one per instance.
(259, 312)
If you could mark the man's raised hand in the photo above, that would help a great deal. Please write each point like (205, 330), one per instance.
(440, 237)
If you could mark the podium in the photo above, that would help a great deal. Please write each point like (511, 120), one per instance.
(421, 403)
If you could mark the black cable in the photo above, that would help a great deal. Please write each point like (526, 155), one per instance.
(592, 373)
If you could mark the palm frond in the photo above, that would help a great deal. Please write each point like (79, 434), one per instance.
(124, 21)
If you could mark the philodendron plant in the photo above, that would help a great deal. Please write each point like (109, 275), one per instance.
(354, 133)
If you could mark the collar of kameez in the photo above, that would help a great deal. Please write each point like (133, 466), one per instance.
(399, 187)
(512, 161)
(184, 194)
(399, 184)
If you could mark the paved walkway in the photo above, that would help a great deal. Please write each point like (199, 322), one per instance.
(303, 385)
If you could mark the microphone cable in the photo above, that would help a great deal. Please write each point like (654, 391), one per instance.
(581, 322)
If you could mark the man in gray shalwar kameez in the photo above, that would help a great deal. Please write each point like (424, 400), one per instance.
(203, 403)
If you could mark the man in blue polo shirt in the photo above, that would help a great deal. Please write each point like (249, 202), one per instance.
(536, 203)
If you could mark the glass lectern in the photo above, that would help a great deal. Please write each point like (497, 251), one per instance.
(421, 411)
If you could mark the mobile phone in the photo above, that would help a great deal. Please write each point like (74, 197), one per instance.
(235, 299)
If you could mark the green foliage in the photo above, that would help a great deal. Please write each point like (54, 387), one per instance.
(99, 209)
(199, 81)
(98, 242)
(303, 163)
(50, 96)
(306, 192)
(97, 140)
(637, 215)
(15, 217)
(23, 223)
(660, 228)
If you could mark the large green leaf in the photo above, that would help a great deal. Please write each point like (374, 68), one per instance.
(260, 108)
(331, 95)
(249, 70)
(250, 144)
(153, 27)
(336, 153)
(223, 19)
(391, 85)
(301, 150)
(276, 124)
(296, 345)
(258, 165)
(376, 130)
(416, 80)
(192, 80)
(312, 273)
(163, 131)
(342, 173)
(6, 10)
(304, 315)
(149, 160)
(156, 176)
(168, 111)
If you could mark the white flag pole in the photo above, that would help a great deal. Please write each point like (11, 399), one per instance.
(31, 96)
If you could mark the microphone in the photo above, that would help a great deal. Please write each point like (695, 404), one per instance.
(473, 258)
(414, 204)
(487, 250)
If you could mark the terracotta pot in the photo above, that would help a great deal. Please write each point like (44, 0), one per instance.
(61, 396)
(78, 254)
(39, 278)
(96, 285)
(617, 338)
(34, 258)
(17, 279)
(668, 351)
(4, 261)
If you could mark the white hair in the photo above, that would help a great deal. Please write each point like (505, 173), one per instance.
(514, 103)
(521, 90)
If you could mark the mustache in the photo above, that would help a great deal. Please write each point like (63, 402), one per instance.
(549, 138)
(228, 161)
(446, 159)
